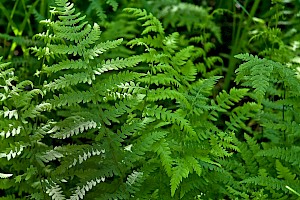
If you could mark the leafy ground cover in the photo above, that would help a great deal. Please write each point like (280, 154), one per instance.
(146, 99)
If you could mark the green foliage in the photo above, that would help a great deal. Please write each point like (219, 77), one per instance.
(99, 7)
(270, 166)
(126, 101)
(105, 111)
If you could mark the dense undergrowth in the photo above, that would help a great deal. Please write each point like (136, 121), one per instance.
(145, 99)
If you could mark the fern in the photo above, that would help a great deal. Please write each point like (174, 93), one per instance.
(76, 127)
(270, 164)
(224, 101)
(54, 191)
(98, 8)
(152, 24)
(188, 15)
(162, 113)
(101, 121)
(67, 34)
(288, 155)
(79, 193)
(18, 135)
(258, 78)
(171, 75)
(283, 172)
(5, 175)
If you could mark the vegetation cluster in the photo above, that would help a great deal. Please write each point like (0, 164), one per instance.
(142, 99)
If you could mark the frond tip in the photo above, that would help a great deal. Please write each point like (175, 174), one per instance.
(5, 175)
(80, 192)
(151, 23)
(73, 128)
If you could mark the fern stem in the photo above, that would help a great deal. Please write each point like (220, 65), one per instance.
(9, 24)
(26, 19)
(239, 36)
(115, 158)
(292, 190)
(150, 79)
(11, 16)
(283, 106)
(283, 115)
(43, 8)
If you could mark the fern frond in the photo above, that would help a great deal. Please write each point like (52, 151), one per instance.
(269, 182)
(12, 131)
(34, 111)
(198, 94)
(13, 151)
(101, 48)
(252, 143)
(46, 38)
(80, 192)
(151, 23)
(237, 193)
(251, 163)
(129, 89)
(81, 49)
(70, 80)
(111, 113)
(167, 93)
(65, 9)
(116, 64)
(66, 64)
(256, 73)
(97, 6)
(222, 144)
(86, 154)
(112, 81)
(188, 71)
(241, 114)
(178, 173)
(145, 142)
(188, 15)
(27, 96)
(71, 126)
(171, 42)
(133, 127)
(204, 86)
(82, 37)
(163, 150)
(78, 33)
(127, 189)
(76, 155)
(224, 101)
(191, 186)
(183, 55)
(3, 65)
(284, 172)
(50, 156)
(134, 181)
(167, 115)
(2, 175)
(161, 79)
(147, 41)
(289, 155)
(54, 190)
(6, 113)
(113, 3)
(71, 98)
